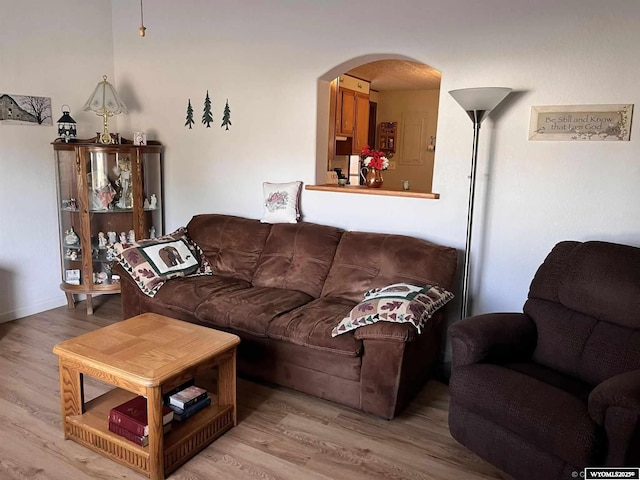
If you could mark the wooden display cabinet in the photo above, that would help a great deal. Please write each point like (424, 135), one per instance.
(387, 136)
(106, 193)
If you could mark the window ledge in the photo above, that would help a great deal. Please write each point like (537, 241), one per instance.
(361, 189)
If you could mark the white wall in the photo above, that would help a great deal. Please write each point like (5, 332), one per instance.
(60, 50)
(266, 57)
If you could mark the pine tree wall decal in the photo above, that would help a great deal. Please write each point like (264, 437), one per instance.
(189, 115)
(206, 116)
(226, 117)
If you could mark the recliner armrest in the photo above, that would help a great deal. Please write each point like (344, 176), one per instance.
(493, 337)
(620, 391)
(615, 405)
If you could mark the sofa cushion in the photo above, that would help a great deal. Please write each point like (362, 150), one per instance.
(249, 310)
(368, 260)
(297, 257)
(545, 414)
(187, 293)
(311, 324)
(397, 303)
(231, 244)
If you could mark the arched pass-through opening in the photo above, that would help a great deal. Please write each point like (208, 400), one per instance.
(389, 102)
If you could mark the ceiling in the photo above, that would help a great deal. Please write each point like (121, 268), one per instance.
(398, 75)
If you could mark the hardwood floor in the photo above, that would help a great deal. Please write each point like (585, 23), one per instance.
(281, 434)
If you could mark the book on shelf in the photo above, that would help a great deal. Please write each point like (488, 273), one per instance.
(143, 440)
(132, 416)
(187, 397)
(166, 395)
(181, 414)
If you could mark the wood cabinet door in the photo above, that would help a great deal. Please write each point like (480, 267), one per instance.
(361, 133)
(346, 118)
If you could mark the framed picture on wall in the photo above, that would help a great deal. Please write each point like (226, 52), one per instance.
(581, 122)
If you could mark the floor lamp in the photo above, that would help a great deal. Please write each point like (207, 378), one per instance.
(477, 102)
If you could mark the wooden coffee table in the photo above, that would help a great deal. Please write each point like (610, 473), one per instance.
(147, 355)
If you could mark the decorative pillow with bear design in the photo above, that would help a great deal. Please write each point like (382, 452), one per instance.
(399, 303)
(281, 202)
(151, 262)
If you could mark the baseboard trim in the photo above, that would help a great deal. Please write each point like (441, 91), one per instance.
(27, 310)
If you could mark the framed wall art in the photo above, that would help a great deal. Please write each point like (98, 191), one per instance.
(581, 122)
(25, 109)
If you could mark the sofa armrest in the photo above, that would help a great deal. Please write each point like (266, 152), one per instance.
(395, 368)
(494, 337)
(129, 293)
(401, 332)
(615, 405)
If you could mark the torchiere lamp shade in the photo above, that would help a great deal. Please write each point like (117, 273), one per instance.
(481, 100)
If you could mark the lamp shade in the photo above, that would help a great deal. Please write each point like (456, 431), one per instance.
(105, 100)
(480, 100)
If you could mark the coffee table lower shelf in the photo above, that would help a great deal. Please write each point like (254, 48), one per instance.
(185, 440)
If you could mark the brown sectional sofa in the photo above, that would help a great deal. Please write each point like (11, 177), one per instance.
(283, 287)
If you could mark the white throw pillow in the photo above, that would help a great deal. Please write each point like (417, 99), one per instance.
(281, 202)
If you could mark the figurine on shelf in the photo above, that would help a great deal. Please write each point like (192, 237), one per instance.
(101, 193)
(123, 237)
(70, 204)
(111, 255)
(70, 237)
(152, 232)
(102, 240)
(71, 254)
(132, 236)
(112, 237)
(124, 179)
(146, 205)
(153, 203)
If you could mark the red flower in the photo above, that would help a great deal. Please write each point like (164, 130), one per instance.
(374, 158)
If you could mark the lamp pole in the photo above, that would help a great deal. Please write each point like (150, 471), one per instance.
(472, 194)
(477, 102)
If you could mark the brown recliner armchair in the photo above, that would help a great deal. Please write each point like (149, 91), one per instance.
(544, 393)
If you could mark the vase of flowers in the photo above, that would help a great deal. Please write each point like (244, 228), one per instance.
(373, 162)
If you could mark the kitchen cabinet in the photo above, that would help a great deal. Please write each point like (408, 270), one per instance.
(346, 112)
(352, 115)
(361, 131)
(106, 194)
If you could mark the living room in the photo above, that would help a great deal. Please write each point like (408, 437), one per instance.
(267, 59)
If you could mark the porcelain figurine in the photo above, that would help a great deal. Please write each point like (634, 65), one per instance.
(70, 237)
(102, 240)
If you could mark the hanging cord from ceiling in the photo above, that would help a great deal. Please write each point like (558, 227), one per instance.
(142, 27)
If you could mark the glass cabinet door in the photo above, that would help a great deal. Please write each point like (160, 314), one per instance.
(70, 223)
(111, 214)
(152, 219)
